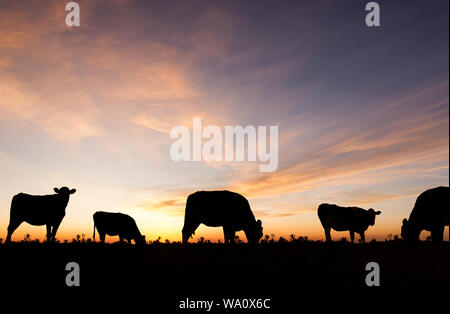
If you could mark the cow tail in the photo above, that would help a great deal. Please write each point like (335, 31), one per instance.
(94, 231)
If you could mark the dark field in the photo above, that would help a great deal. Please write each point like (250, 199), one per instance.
(283, 272)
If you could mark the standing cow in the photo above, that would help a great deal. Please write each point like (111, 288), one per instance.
(430, 213)
(113, 224)
(39, 210)
(352, 219)
(221, 209)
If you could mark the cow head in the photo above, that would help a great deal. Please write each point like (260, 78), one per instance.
(409, 231)
(372, 214)
(64, 191)
(140, 240)
(254, 232)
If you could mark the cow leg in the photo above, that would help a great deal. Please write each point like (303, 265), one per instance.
(49, 232)
(228, 235)
(352, 236)
(363, 237)
(102, 236)
(232, 236)
(13, 225)
(328, 234)
(55, 229)
(225, 235)
(437, 234)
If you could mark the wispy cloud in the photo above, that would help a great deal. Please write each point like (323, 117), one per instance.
(362, 116)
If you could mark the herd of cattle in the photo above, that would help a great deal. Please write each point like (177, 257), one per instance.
(232, 212)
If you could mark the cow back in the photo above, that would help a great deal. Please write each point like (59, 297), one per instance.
(219, 208)
(39, 209)
(432, 207)
(343, 218)
(116, 224)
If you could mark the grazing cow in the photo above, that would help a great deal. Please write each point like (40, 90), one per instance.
(113, 224)
(353, 219)
(430, 213)
(221, 208)
(39, 210)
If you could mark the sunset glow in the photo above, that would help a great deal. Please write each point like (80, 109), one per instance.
(363, 115)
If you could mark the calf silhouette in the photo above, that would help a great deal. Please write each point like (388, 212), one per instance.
(39, 210)
(221, 209)
(114, 224)
(430, 213)
(353, 219)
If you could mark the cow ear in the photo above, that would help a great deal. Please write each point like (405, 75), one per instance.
(377, 212)
(72, 191)
(56, 190)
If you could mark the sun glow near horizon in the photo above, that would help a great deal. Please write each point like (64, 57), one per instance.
(363, 123)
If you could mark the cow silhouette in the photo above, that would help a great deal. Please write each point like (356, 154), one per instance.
(352, 219)
(221, 209)
(39, 210)
(117, 224)
(430, 213)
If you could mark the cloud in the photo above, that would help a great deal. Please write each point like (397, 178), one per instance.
(68, 115)
(411, 142)
(171, 207)
(64, 85)
(151, 122)
(327, 165)
(404, 137)
(353, 119)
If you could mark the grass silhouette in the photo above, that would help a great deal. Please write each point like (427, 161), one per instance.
(278, 267)
(266, 240)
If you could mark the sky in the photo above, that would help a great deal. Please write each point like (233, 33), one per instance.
(363, 113)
